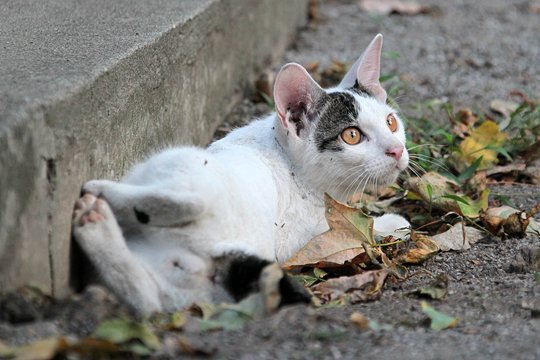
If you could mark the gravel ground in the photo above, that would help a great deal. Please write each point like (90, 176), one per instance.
(466, 52)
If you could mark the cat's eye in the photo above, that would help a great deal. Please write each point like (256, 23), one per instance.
(352, 135)
(391, 122)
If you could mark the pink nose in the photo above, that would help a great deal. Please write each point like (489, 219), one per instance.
(395, 152)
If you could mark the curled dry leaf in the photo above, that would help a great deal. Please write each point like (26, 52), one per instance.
(503, 107)
(505, 220)
(350, 236)
(361, 287)
(458, 237)
(420, 248)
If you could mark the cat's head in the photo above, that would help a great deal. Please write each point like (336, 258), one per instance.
(344, 139)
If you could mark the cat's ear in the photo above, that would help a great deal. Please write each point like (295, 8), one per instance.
(295, 95)
(366, 71)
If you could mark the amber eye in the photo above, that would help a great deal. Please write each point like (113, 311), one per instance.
(351, 135)
(391, 122)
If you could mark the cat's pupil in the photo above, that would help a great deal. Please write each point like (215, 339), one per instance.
(351, 135)
(391, 122)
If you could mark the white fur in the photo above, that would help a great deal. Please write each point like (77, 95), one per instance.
(258, 191)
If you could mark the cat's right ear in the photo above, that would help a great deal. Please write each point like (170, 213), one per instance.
(295, 95)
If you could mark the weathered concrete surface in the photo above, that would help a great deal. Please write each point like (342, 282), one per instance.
(89, 87)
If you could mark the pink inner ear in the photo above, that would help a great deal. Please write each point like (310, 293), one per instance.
(293, 86)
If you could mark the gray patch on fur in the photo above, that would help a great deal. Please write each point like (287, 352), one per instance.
(337, 111)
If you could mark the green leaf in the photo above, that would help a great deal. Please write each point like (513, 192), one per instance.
(501, 151)
(389, 54)
(536, 276)
(306, 280)
(470, 170)
(120, 331)
(473, 208)
(386, 77)
(456, 198)
(319, 273)
(439, 320)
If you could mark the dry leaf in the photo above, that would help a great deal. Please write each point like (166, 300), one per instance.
(385, 7)
(505, 220)
(361, 287)
(350, 234)
(44, 349)
(422, 248)
(503, 107)
(458, 237)
(359, 320)
(477, 143)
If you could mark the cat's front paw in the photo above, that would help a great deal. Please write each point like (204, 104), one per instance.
(391, 225)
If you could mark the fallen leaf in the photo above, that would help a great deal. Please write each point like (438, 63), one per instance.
(480, 143)
(505, 220)
(166, 321)
(385, 7)
(422, 247)
(6, 351)
(121, 331)
(439, 320)
(458, 237)
(442, 193)
(437, 289)
(359, 320)
(361, 287)
(503, 107)
(90, 347)
(350, 235)
(44, 349)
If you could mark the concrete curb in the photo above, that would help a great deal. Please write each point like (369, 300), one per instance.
(97, 87)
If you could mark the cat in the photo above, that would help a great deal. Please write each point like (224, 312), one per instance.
(190, 222)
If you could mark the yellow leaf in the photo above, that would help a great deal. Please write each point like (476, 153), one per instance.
(475, 145)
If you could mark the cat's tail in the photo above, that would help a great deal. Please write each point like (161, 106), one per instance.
(135, 204)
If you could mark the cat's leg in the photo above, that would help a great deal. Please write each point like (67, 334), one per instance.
(391, 224)
(147, 205)
(97, 232)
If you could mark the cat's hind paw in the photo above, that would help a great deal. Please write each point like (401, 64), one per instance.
(90, 209)
(93, 222)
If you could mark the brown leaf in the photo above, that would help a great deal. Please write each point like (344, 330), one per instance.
(361, 287)
(505, 220)
(422, 248)
(385, 7)
(359, 320)
(350, 234)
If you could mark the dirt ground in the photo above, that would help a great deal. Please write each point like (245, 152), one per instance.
(466, 52)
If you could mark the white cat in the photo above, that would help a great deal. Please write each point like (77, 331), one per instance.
(156, 236)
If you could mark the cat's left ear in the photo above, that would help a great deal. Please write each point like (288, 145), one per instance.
(367, 69)
(295, 95)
